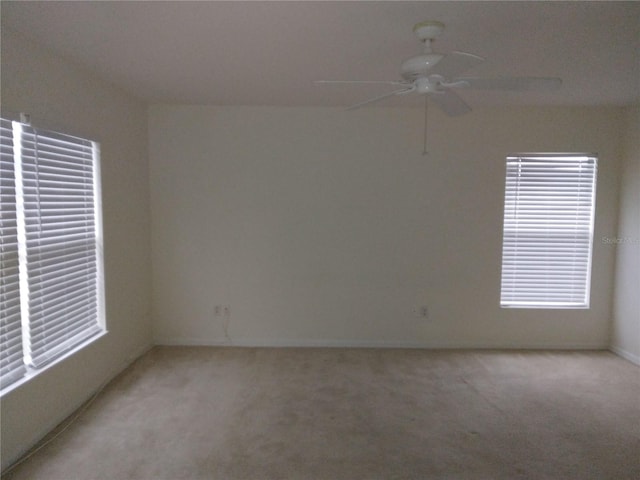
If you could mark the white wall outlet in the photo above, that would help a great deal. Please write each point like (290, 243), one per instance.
(422, 311)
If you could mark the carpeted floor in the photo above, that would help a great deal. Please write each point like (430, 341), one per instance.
(245, 413)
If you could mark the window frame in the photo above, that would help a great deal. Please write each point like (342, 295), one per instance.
(86, 330)
(534, 231)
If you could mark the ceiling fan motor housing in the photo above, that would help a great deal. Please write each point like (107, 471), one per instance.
(419, 65)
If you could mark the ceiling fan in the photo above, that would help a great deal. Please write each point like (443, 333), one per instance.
(436, 76)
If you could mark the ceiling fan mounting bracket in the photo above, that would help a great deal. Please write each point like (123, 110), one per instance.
(428, 30)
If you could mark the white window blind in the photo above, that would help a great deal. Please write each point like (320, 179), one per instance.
(548, 230)
(53, 239)
(11, 357)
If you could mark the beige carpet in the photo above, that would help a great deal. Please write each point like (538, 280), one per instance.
(240, 413)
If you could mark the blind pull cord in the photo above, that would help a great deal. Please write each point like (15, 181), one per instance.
(424, 144)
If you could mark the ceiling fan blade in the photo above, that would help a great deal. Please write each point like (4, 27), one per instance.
(376, 82)
(455, 63)
(450, 103)
(381, 97)
(517, 84)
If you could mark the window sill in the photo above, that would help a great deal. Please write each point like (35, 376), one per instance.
(34, 372)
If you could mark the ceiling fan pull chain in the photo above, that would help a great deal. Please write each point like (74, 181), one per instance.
(424, 149)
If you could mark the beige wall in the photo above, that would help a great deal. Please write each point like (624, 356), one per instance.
(324, 227)
(61, 97)
(626, 325)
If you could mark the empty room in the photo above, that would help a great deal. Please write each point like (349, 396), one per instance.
(320, 240)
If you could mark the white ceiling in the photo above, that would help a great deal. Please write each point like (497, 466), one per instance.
(269, 53)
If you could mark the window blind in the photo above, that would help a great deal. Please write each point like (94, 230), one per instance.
(11, 353)
(61, 245)
(548, 230)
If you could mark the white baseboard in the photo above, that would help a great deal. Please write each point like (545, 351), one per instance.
(633, 358)
(335, 343)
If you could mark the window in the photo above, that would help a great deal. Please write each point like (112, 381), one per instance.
(548, 230)
(51, 293)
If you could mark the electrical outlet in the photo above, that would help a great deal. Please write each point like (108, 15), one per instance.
(217, 310)
(421, 311)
